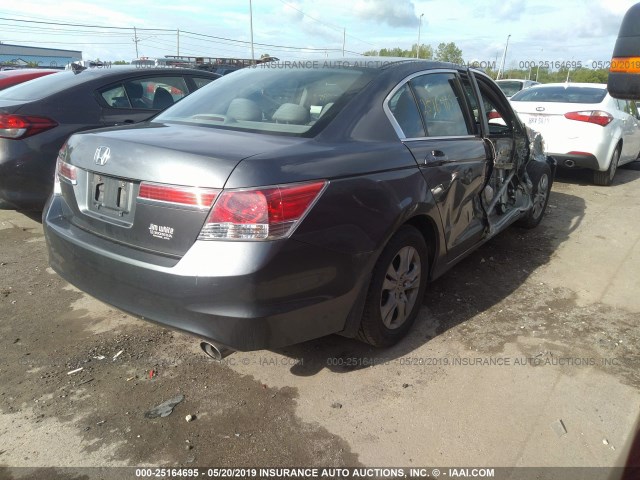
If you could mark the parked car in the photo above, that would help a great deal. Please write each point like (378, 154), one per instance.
(283, 204)
(583, 126)
(512, 86)
(37, 117)
(8, 78)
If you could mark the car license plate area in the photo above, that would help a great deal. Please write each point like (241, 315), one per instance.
(538, 120)
(110, 196)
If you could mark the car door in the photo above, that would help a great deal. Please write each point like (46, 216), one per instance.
(137, 99)
(433, 119)
(635, 122)
(508, 143)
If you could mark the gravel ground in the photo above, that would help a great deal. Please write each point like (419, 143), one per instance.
(534, 328)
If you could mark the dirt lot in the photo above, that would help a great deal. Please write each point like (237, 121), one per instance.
(534, 327)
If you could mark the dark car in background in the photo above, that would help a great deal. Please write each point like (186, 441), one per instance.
(9, 78)
(284, 203)
(38, 116)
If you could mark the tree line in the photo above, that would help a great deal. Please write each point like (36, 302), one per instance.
(449, 52)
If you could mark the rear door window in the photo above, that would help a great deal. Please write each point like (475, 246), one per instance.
(431, 105)
(441, 103)
(405, 112)
(151, 93)
(201, 82)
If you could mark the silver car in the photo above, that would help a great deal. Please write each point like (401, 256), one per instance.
(512, 86)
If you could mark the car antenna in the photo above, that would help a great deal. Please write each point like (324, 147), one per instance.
(77, 68)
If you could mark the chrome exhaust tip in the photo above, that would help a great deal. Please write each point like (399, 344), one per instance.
(217, 352)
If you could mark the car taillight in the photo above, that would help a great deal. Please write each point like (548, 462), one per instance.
(261, 213)
(68, 172)
(492, 115)
(591, 116)
(64, 170)
(201, 198)
(22, 126)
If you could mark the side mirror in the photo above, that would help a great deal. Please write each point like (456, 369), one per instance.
(624, 73)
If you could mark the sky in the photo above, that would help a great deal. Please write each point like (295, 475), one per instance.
(537, 30)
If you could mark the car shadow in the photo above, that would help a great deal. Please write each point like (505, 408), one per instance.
(584, 177)
(483, 279)
(32, 214)
(635, 165)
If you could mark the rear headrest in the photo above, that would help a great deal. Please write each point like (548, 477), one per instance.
(244, 109)
(292, 113)
(162, 99)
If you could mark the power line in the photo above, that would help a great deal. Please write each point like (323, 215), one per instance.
(234, 41)
(335, 27)
(85, 25)
(330, 25)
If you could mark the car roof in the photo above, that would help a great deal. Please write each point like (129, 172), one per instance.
(69, 79)
(26, 72)
(108, 70)
(369, 62)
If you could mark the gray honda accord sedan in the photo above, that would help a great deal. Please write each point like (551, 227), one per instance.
(295, 199)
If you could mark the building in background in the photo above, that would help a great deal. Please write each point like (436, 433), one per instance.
(23, 56)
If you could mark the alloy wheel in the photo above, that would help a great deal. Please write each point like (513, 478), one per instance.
(400, 287)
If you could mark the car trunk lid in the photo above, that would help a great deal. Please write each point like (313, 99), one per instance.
(548, 117)
(11, 106)
(151, 187)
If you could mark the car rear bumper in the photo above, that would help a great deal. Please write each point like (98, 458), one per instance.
(584, 160)
(586, 144)
(26, 175)
(244, 295)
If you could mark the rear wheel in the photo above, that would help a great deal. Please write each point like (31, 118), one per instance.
(540, 174)
(396, 289)
(605, 178)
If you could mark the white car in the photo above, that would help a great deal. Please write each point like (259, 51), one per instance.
(582, 125)
(511, 86)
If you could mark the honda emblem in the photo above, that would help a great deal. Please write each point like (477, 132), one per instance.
(102, 155)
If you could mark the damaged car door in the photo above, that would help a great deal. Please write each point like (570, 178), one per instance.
(474, 154)
(519, 173)
(434, 118)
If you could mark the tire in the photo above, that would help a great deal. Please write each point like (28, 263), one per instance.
(540, 174)
(397, 286)
(605, 178)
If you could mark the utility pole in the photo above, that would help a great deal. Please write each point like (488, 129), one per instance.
(136, 40)
(538, 69)
(504, 57)
(569, 71)
(419, 28)
(178, 43)
(251, 27)
(344, 40)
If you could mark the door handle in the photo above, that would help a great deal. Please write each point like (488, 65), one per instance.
(436, 156)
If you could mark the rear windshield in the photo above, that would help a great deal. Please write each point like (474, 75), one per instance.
(561, 94)
(270, 99)
(42, 86)
(510, 88)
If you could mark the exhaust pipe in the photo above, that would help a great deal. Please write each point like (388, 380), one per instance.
(217, 352)
(569, 163)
